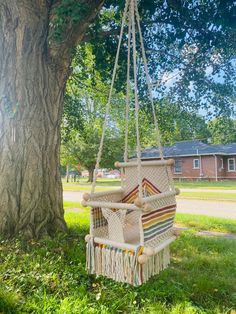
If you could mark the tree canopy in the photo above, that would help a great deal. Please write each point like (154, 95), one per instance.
(223, 130)
(190, 46)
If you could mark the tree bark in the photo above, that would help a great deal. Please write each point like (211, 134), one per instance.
(90, 177)
(67, 173)
(32, 84)
(31, 106)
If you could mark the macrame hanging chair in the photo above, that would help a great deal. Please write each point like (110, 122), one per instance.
(131, 228)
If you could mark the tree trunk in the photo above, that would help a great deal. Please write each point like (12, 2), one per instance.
(33, 72)
(67, 173)
(90, 171)
(31, 105)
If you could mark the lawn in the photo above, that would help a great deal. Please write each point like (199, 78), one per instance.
(219, 185)
(84, 185)
(222, 185)
(202, 223)
(205, 195)
(105, 184)
(195, 222)
(48, 276)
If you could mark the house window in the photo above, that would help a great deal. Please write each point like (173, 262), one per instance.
(231, 164)
(196, 164)
(221, 163)
(178, 166)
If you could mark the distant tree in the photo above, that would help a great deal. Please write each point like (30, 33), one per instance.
(69, 155)
(178, 124)
(88, 145)
(223, 130)
(85, 101)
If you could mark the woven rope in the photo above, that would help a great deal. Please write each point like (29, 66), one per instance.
(158, 136)
(127, 91)
(132, 7)
(138, 148)
(109, 100)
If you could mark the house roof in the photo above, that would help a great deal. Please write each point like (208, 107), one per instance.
(190, 148)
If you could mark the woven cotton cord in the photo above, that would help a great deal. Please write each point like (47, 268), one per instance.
(157, 130)
(109, 100)
(127, 107)
(136, 99)
(127, 91)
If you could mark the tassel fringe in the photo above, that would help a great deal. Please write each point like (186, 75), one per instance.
(122, 265)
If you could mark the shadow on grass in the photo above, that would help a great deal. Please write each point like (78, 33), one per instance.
(48, 276)
(8, 301)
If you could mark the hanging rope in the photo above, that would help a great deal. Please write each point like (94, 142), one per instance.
(109, 100)
(127, 91)
(131, 8)
(127, 101)
(138, 148)
(158, 136)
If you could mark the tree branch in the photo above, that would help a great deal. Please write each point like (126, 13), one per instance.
(101, 35)
(61, 52)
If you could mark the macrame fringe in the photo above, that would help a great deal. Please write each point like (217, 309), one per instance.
(122, 265)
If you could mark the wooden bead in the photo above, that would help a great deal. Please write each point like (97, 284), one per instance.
(86, 196)
(117, 164)
(142, 259)
(83, 203)
(147, 208)
(138, 202)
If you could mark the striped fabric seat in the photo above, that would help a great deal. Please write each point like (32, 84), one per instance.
(148, 190)
(98, 219)
(158, 222)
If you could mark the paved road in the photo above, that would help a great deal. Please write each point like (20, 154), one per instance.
(73, 196)
(210, 208)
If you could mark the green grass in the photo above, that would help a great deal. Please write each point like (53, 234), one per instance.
(77, 187)
(196, 222)
(48, 276)
(201, 222)
(104, 184)
(221, 185)
(209, 195)
(81, 186)
(71, 204)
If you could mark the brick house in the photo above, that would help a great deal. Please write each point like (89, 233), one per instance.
(197, 160)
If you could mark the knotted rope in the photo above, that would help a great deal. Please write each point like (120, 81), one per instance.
(131, 7)
(109, 100)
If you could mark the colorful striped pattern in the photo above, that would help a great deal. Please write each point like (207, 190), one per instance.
(154, 223)
(158, 222)
(98, 219)
(148, 190)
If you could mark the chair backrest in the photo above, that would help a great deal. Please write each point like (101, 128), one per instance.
(156, 178)
(158, 223)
